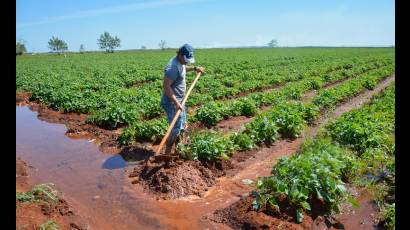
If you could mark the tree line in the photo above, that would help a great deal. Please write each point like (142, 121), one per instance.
(105, 42)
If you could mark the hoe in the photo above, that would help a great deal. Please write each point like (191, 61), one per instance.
(158, 157)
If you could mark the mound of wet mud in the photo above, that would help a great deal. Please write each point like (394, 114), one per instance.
(178, 178)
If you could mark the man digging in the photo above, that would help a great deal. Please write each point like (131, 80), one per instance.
(174, 91)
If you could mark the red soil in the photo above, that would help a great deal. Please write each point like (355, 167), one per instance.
(240, 215)
(32, 215)
(22, 98)
(21, 175)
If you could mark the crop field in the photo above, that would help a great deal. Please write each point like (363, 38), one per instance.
(302, 132)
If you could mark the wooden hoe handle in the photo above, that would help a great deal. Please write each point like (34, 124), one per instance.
(171, 126)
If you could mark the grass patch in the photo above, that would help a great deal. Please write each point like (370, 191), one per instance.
(39, 193)
(49, 225)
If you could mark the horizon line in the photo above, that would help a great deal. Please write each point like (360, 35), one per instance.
(226, 47)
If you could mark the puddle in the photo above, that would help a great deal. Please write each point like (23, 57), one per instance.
(96, 184)
(92, 181)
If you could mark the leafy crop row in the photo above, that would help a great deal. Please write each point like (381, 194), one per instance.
(319, 172)
(213, 112)
(125, 87)
(287, 119)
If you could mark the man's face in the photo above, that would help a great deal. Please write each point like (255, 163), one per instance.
(182, 59)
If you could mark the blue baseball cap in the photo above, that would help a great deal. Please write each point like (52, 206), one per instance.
(188, 52)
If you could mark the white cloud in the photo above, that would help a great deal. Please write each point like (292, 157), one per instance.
(109, 10)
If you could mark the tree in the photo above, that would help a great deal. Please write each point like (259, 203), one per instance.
(57, 45)
(273, 43)
(109, 43)
(143, 47)
(162, 44)
(20, 48)
(82, 48)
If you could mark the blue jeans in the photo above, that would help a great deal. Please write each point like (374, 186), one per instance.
(171, 110)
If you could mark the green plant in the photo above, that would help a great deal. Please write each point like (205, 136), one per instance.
(389, 216)
(289, 118)
(152, 130)
(262, 130)
(293, 92)
(370, 84)
(49, 225)
(315, 84)
(207, 146)
(210, 114)
(315, 173)
(242, 141)
(248, 107)
(368, 127)
(310, 112)
(114, 115)
(41, 192)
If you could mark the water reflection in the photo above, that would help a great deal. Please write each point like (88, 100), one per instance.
(114, 162)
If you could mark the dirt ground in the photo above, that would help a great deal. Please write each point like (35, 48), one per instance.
(21, 175)
(241, 215)
(33, 215)
(22, 98)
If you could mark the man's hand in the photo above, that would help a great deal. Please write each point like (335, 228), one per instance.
(179, 106)
(200, 69)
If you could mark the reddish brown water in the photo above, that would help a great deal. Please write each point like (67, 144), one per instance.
(95, 183)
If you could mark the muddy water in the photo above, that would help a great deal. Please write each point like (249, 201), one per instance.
(93, 182)
(96, 185)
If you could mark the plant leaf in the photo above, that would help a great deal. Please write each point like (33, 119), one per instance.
(299, 215)
(353, 202)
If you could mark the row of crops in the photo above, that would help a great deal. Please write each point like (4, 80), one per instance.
(210, 113)
(360, 143)
(286, 119)
(124, 88)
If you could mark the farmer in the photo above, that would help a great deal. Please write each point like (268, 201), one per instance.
(174, 91)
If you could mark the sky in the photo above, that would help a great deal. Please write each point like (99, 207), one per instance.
(206, 23)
